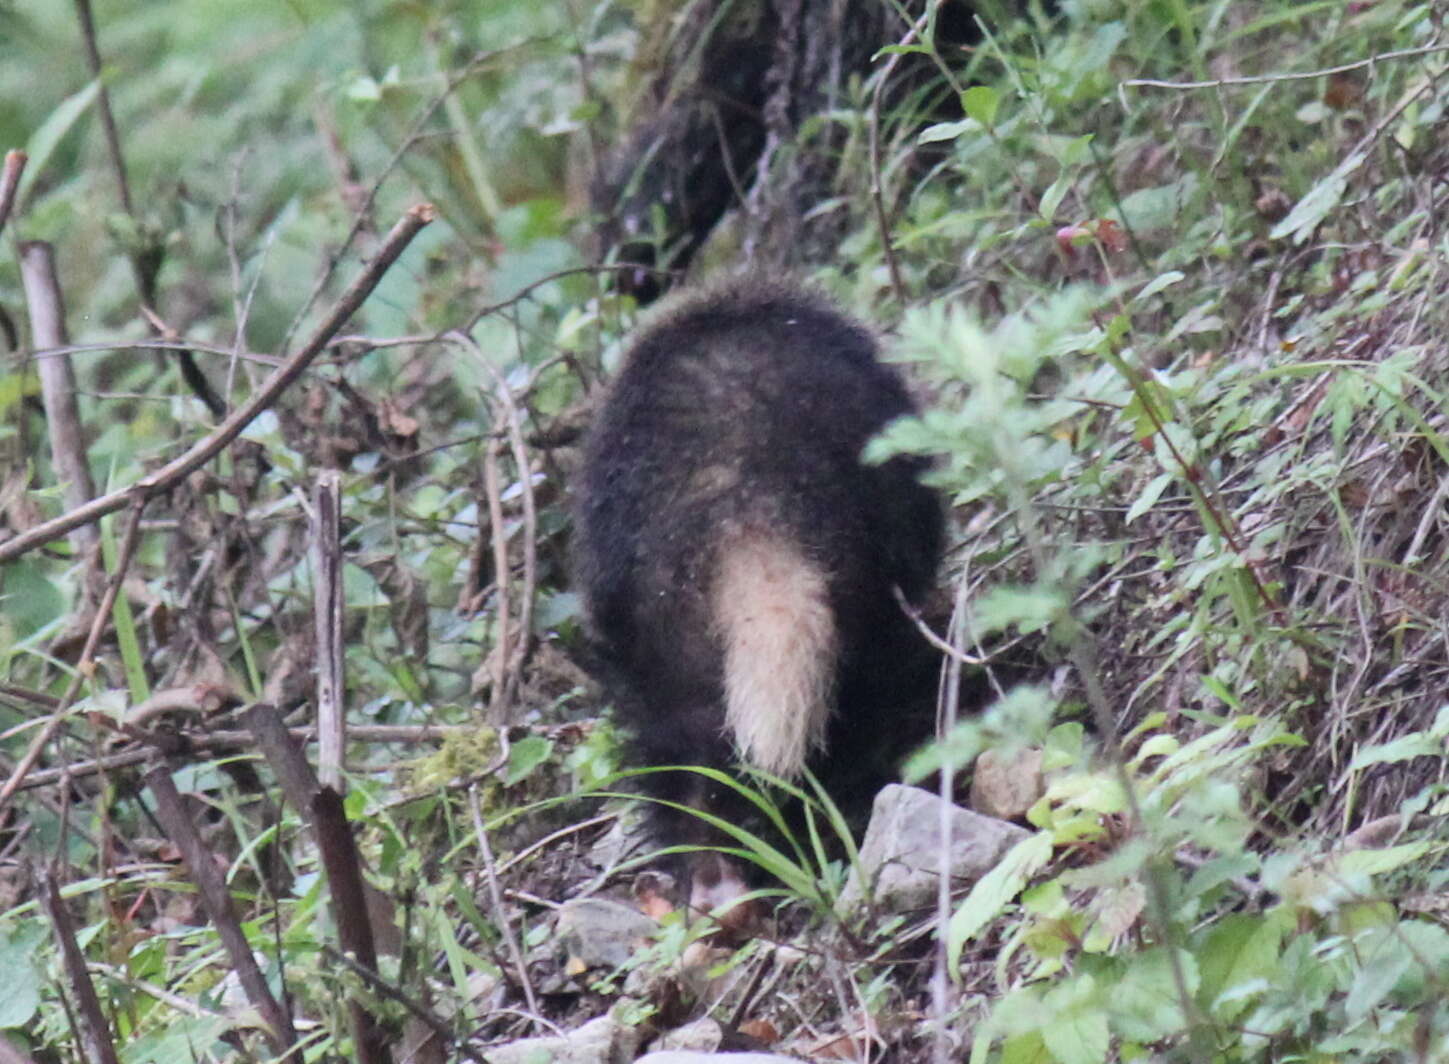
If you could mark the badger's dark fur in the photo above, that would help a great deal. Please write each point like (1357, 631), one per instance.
(737, 559)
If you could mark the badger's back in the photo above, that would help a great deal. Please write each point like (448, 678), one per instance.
(736, 558)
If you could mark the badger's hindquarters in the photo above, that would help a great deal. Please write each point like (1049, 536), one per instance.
(736, 559)
(776, 626)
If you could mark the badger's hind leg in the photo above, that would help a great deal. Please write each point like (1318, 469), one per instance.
(777, 632)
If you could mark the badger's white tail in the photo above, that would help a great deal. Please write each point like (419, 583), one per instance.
(772, 609)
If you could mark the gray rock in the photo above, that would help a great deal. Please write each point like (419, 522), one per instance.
(599, 933)
(600, 1041)
(900, 854)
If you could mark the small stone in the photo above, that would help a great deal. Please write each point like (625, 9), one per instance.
(603, 1040)
(599, 933)
(1005, 786)
(701, 1036)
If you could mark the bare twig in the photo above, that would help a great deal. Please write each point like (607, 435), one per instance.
(327, 611)
(500, 914)
(46, 305)
(145, 265)
(10, 173)
(502, 671)
(950, 707)
(103, 104)
(512, 657)
(877, 196)
(219, 741)
(364, 212)
(212, 444)
(440, 1029)
(528, 289)
(1259, 79)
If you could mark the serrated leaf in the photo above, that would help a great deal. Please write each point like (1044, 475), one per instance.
(1405, 747)
(1076, 1031)
(991, 893)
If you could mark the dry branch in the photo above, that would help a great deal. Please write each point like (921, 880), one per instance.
(212, 444)
(216, 899)
(95, 1032)
(350, 910)
(327, 612)
(220, 741)
(46, 306)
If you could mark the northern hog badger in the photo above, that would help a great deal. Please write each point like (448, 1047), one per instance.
(737, 560)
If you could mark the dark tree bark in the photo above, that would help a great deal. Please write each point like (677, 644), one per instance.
(722, 122)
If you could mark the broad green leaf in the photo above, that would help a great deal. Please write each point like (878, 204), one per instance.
(981, 102)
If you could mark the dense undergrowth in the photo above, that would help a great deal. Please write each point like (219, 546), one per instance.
(1175, 277)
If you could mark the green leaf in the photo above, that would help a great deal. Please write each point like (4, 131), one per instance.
(21, 982)
(946, 131)
(1149, 496)
(1157, 284)
(981, 102)
(1145, 1006)
(44, 140)
(1323, 197)
(1238, 953)
(991, 893)
(1051, 199)
(526, 755)
(1376, 862)
(1076, 1023)
(1404, 748)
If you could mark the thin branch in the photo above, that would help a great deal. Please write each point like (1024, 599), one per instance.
(498, 704)
(103, 104)
(46, 306)
(500, 915)
(217, 901)
(145, 261)
(211, 445)
(877, 196)
(220, 741)
(360, 217)
(1260, 79)
(512, 657)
